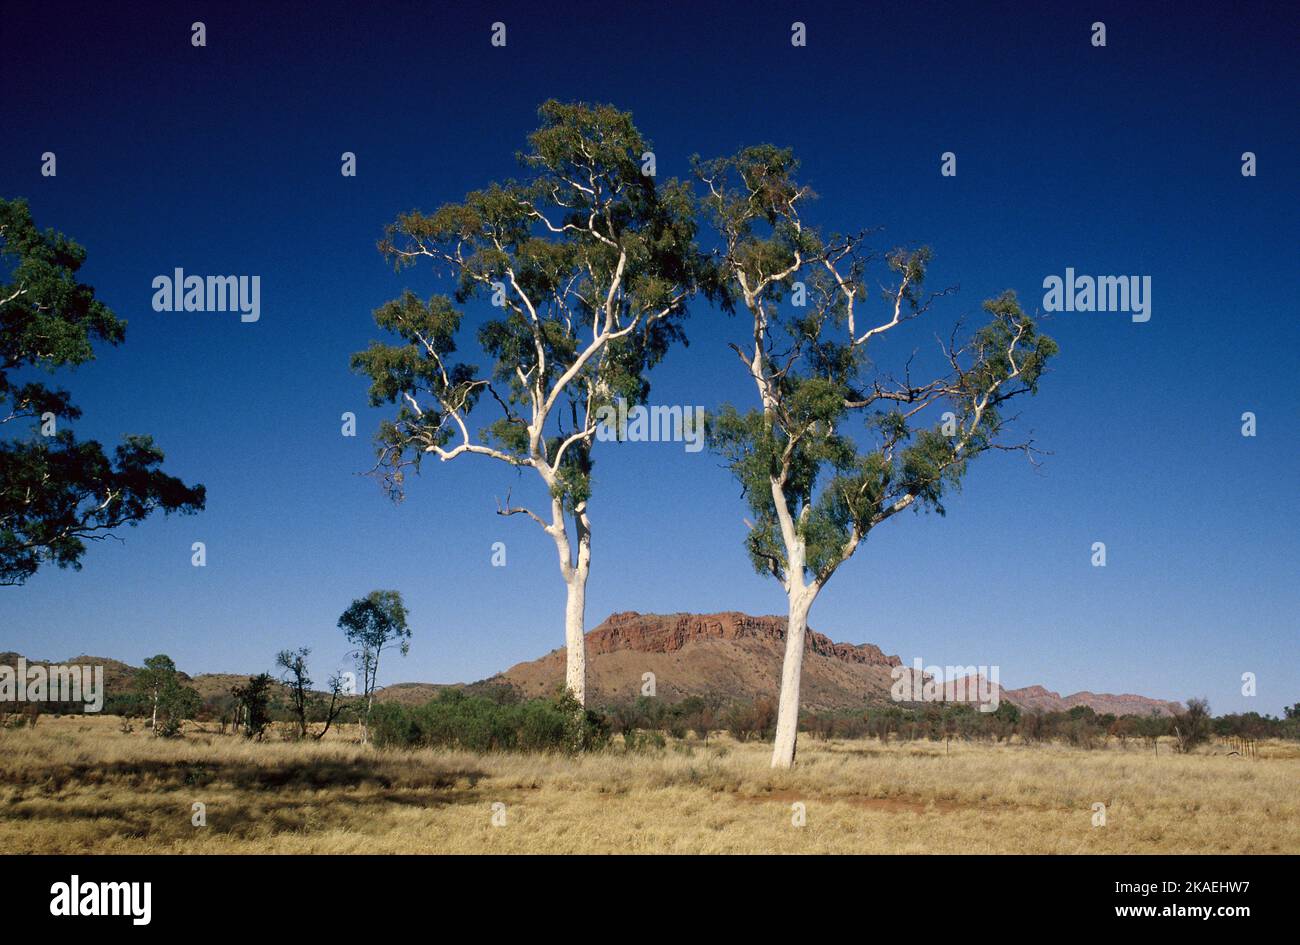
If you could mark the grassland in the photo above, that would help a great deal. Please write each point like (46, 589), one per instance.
(77, 784)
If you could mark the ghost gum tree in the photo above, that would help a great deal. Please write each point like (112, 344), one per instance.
(816, 485)
(370, 623)
(589, 263)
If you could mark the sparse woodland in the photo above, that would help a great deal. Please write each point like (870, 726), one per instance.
(593, 268)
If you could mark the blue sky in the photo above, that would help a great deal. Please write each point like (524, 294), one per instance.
(1121, 160)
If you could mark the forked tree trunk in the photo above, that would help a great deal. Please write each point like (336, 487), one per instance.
(575, 640)
(787, 717)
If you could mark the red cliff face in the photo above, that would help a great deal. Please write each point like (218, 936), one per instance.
(731, 655)
(739, 656)
(652, 633)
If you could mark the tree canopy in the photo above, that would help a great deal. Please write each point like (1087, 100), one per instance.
(591, 264)
(837, 443)
(57, 493)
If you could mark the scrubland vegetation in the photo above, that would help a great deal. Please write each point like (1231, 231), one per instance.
(84, 783)
(270, 768)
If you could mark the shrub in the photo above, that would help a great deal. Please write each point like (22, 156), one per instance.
(255, 700)
(644, 741)
(755, 720)
(1192, 727)
(481, 724)
(168, 727)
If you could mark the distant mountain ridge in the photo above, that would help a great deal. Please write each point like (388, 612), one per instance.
(731, 655)
(1036, 697)
(119, 679)
(738, 656)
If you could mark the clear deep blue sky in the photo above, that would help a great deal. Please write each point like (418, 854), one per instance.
(1122, 160)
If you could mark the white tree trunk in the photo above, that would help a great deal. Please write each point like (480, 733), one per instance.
(787, 717)
(575, 582)
(575, 640)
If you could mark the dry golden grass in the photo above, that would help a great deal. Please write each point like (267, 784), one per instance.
(81, 785)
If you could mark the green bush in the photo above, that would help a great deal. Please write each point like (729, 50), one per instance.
(636, 741)
(481, 724)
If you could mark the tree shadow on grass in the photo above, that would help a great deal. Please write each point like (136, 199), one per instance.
(153, 799)
(315, 774)
(168, 818)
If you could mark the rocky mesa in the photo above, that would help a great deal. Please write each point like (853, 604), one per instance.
(737, 656)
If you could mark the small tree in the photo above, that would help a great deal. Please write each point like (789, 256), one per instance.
(158, 671)
(255, 704)
(335, 707)
(589, 263)
(1124, 728)
(169, 700)
(1006, 717)
(307, 705)
(816, 486)
(294, 666)
(1152, 727)
(371, 623)
(1192, 727)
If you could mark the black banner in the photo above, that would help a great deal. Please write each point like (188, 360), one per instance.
(142, 895)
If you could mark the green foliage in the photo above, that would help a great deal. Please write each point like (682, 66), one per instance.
(585, 248)
(482, 724)
(293, 664)
(1080, 727)
(48, 318)
(1254, 725)
(640, 721)
(1192, 726)
(56, 492)
(752, 199)
(255, 701)
(963, 721)
(372, 622)
(837, 444)
(126, 704)
(641, 742)
(164, 696)
(1007, 712)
